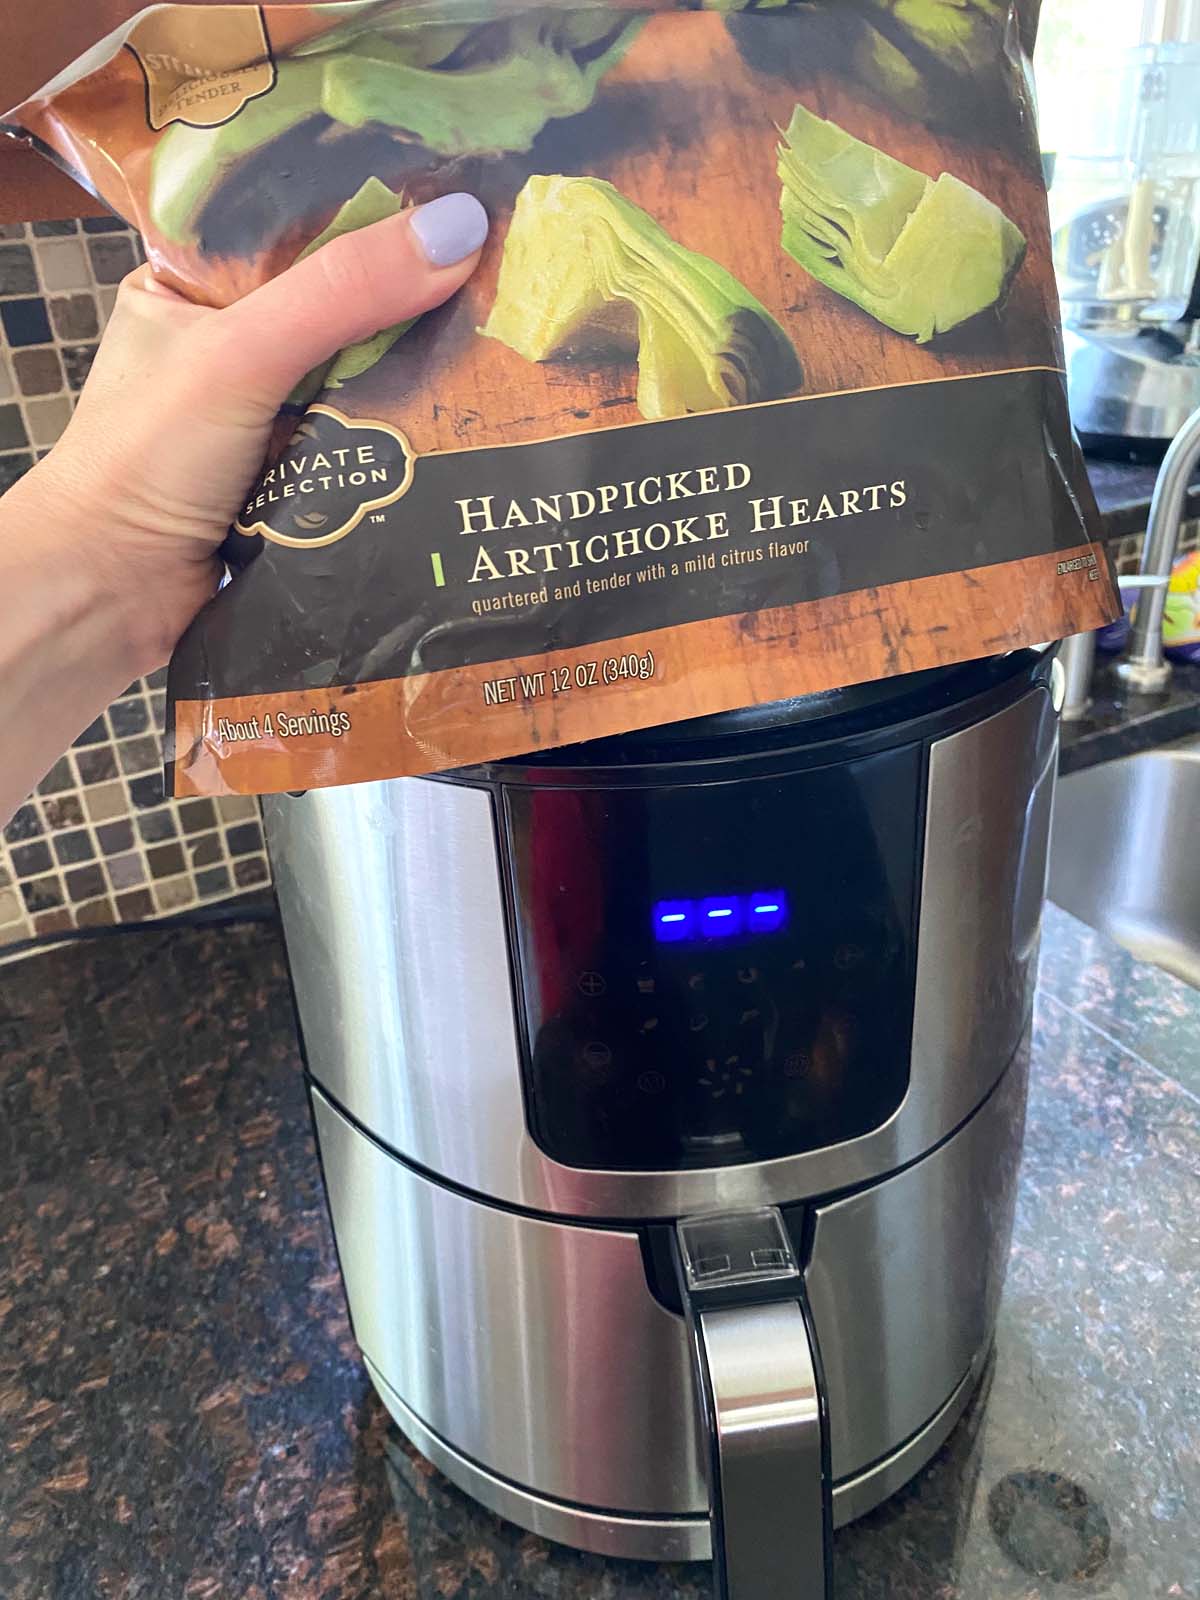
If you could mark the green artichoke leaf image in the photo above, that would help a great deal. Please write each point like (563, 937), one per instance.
(930, 59)
(913, 51)
(920, 255)
(373, 202)
(454, 90)
(586, 274)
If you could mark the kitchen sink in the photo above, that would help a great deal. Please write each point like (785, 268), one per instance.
(1125, 854)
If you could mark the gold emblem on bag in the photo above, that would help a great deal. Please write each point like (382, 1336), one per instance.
(312, 525)
(201, 75)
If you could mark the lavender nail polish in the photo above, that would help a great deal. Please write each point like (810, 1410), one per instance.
(450, 228)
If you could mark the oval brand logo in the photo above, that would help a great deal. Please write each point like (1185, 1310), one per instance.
(334, 471)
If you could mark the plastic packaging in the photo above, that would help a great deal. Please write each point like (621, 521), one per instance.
(757, 392)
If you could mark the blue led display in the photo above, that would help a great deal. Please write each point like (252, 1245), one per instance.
(721, 916)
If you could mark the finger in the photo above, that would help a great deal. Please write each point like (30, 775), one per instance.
(346, 291)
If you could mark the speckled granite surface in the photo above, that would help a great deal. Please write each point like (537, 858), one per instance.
(1119, 723)
(1124, 490)
(182, 1413)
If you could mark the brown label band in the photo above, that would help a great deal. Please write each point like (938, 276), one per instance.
(427, 723)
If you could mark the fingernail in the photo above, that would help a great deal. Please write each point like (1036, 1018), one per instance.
(450, 228)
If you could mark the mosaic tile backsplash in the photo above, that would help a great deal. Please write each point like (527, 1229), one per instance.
(96, 843)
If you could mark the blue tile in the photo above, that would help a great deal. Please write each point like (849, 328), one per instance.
(25, 322)
(103, 225)
(13, 466)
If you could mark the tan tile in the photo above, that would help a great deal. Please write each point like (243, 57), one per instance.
(12, 907)
(173, 893)
(11, 932)
(47, 418)
(96, 914)
(104, 801)
(64, 264)
(237, 807)
(107, 299)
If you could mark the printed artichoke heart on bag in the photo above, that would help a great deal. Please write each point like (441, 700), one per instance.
(756, 392)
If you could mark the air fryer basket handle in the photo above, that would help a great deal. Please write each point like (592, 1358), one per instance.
(759, 1391)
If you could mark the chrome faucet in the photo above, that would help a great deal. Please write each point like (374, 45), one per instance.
(1144, 669)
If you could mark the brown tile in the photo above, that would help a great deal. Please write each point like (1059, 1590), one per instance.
(139, 755)
(63, 811)
(205, 849)
(173, 893)
(112, 258)
(126, 871)
(104, 802)
(197, 815)
(85, 883)
(74, 847)
(115, 837)
(42, 894)
(96, 914)
(32, 859)
(166, 860)
(53, 922)
(135, 906)
(59, 777)
(74, 316)
(38, 371)
(97, 765)
(250, 870)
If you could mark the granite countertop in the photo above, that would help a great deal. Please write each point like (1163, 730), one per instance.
(1121, 723)
(1123, 491)
(184, 1416)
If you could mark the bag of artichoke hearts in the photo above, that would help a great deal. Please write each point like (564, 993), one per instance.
(757, 391)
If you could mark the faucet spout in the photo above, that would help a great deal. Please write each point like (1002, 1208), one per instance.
(1144, 669)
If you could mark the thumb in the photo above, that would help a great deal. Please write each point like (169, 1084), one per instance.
(347, 290)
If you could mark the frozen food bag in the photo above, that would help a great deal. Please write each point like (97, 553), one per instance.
(757, 391)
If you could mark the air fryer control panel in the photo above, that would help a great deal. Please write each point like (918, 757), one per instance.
(716, 973)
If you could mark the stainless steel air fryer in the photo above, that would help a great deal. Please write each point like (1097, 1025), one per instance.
(670, 1094)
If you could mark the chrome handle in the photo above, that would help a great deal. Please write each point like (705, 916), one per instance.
(757, 1380)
